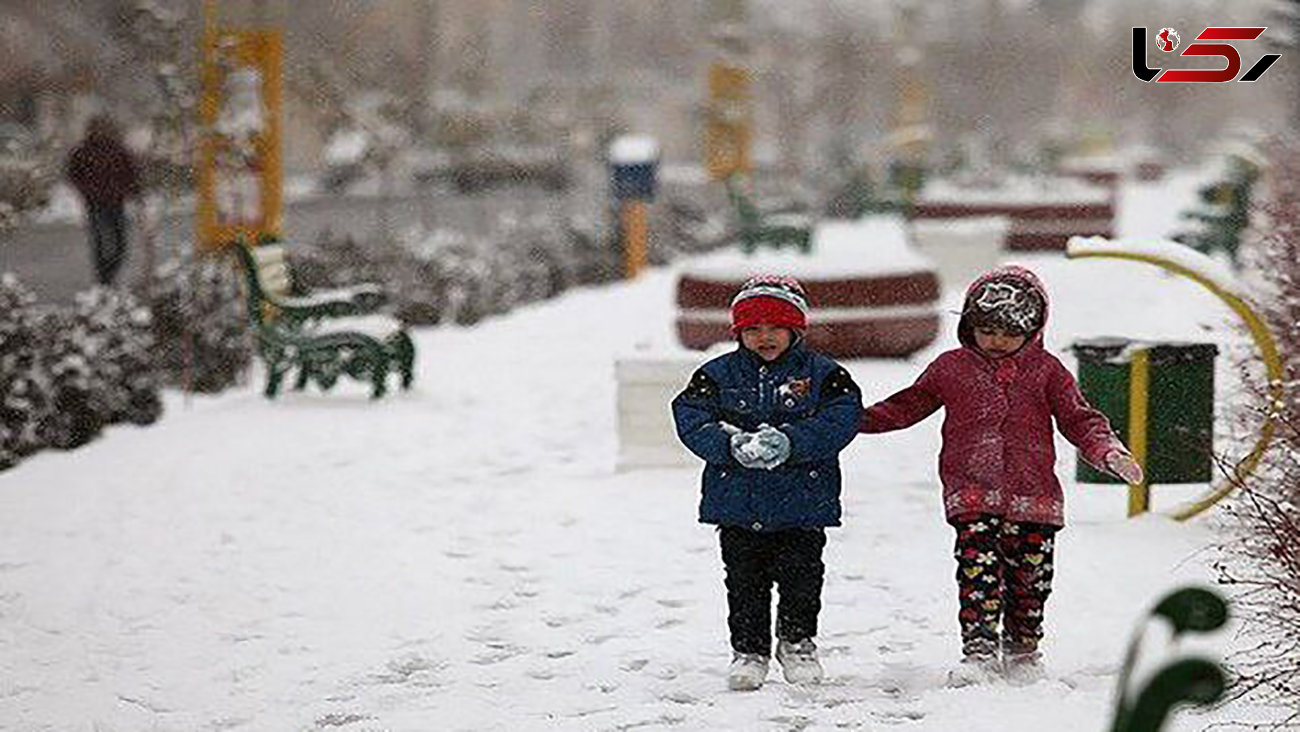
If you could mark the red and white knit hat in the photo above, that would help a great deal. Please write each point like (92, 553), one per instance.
(770, 300)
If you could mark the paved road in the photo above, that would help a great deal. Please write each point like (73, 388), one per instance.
(54, 259)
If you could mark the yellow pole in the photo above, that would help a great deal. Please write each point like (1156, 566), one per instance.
(205, 226)
(1263, 340)
(1139, 383)
(727, 126)
(272, 172)
(634, 235)
(209, 22)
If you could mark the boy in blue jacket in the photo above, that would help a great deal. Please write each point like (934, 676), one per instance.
(769, 419)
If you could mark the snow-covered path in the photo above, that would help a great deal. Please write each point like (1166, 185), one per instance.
(464, 556)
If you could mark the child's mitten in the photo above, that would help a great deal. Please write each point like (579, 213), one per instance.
(774, 444)
(746, 449)
(1122, 464)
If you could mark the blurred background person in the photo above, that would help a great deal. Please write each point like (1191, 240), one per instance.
(104, 172)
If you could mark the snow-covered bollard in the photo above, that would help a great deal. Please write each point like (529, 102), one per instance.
(633, 162)
(647, 382)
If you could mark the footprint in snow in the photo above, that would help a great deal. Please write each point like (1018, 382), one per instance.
(496, 655)
(900, 716)
(674, 603)
(680, 697)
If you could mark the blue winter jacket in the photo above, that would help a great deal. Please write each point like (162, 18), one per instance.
(806, 395)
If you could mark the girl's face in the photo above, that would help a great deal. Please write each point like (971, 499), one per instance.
(768, 341)
(997, 342)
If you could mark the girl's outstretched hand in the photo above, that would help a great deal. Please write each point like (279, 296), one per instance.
(1122, 464)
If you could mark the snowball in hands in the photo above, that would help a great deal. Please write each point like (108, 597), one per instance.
(1123, 465)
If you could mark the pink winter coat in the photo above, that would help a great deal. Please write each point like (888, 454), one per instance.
(998, 455)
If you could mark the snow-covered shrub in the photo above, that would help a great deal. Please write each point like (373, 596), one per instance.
(65, 372)
(416, 288)
(333, 261)
(97, 367)
(27, 175)
(445, 276)
(200, 324)
(600, 259)
(414, 285)
(72, 416)
(557, 267)
(507, 282)
(1263, 560)
(124, 377)
(23, 396)
(469, 295)
(528, 262)
(691, 228)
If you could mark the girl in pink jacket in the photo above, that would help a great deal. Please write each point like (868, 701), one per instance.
(1000, 390)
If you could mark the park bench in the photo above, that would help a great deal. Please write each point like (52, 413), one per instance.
(777, 229)
(323, 334)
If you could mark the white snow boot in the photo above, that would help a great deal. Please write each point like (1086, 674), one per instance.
(974, 669)
(748, 671)
(1023, 669)
(799, 661)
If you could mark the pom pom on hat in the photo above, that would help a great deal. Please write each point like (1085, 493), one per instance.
(770, 300)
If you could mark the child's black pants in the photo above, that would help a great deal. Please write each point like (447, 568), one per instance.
(754, 560)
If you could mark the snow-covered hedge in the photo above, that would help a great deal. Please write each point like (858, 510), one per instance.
(66, 372)
(21, 385)
(118, 333)
(200, 324)
(1263, 558)
(445, 277)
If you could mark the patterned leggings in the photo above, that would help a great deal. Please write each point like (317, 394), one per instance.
(1004, 575)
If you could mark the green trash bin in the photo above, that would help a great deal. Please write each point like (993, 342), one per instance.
(1159, 398)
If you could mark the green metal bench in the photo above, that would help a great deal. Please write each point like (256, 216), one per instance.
(777, 229)
(324, 334)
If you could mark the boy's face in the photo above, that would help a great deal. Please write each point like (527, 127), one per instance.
(768, 341)
(997, 342)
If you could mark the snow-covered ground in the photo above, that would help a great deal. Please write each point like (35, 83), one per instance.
(465, 557)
